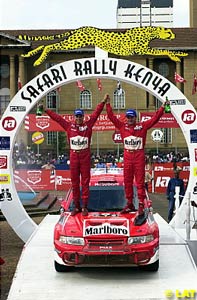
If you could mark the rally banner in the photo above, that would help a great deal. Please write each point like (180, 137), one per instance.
(36, 180)
(59, 180)
(162, 172)
(161, 180)
(169, 166)
(45, 123)
(166, 121)
(42, 180)
(62, 180)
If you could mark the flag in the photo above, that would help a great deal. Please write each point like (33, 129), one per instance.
(119, 88)
(80, 85)
(19, 83)
(99, 84)
(194, 88)
(178, 78)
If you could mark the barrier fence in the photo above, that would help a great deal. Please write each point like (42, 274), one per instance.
(59, 180)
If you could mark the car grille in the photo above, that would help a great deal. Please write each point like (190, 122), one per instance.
(104, 245)
(106, 258)
(118, 260)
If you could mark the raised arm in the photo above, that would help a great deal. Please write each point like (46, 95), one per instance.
(118, 124)
(155, 118)
(97, 111)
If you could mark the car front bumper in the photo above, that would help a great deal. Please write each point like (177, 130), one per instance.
(131, 256)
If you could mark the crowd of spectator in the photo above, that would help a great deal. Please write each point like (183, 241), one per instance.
(26, 158)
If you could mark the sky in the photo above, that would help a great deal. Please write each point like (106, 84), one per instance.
(66, 14)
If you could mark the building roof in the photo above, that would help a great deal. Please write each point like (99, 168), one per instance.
(186, 38)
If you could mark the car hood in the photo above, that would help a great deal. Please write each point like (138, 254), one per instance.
(103, 224)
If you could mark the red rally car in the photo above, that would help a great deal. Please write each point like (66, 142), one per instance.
(105, 237)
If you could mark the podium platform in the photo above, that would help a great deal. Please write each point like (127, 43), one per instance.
(36, 278)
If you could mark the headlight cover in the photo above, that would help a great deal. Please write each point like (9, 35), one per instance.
(140, 239)
(71, 240)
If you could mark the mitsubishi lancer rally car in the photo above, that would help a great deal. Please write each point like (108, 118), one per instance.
(105, 237)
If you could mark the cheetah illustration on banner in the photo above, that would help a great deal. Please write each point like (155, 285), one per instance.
(132, 41)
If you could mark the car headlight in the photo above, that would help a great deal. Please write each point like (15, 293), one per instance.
(140, 239)
(71, 240)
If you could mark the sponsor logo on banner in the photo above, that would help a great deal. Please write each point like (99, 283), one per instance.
(60, 180)
(188, 116)
(5, 195)
(195, 189)
(157, 135)
(4, 143)
(158, 168)
(195, 171)
(4, 178)
(34, 176)
(117, 137)
(178, 102)
(106, 229)
(37, 137)
(162, 181)
(3, 162)
(107, 184)
(166, 121)
(9, 123)
(193, 135)
(42, 122)
(186, 168)
(145, 118)
(17, 108)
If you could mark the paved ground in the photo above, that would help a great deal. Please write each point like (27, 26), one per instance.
(160, 205)
(11, 245)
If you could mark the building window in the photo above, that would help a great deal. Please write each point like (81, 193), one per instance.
(51, 100)
(119, 99)
(51, 138)
(4, 102)
(158, 103)
(167, 136)
(85, 99)
(164, 69)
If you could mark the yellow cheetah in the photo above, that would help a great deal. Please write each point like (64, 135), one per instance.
(132, 41)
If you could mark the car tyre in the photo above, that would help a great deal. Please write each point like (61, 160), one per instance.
(152, 267)
(61, 268)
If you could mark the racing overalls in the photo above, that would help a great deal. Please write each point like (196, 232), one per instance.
(79, 138)
(134, 139)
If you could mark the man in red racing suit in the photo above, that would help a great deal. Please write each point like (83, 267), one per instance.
(79, 135)
(134, 138)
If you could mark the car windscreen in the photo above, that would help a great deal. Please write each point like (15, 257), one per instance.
(107, 198)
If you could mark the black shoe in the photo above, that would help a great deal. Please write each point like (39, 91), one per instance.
(84, 211)
(127, 209)
(75, 211)
(140, 219)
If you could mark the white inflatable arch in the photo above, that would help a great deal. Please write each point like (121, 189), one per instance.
(70, 71)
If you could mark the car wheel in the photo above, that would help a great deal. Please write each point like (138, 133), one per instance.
(61, 268)
(152, 267)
